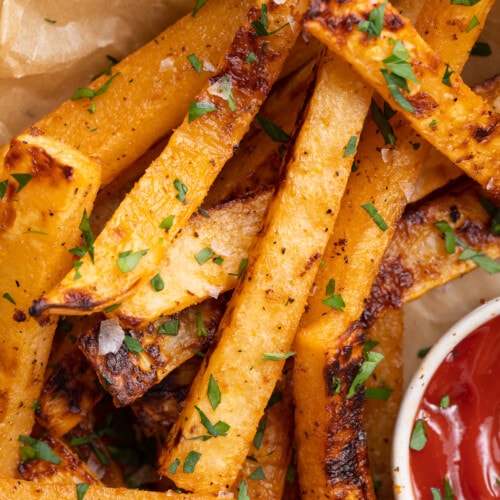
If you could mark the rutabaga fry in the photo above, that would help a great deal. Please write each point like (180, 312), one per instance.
(257, 330)
(46, 188)
(150, 91)
(375, 198)
(415, 80)
(133, 242)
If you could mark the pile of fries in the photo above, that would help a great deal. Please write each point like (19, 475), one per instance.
(205, 252)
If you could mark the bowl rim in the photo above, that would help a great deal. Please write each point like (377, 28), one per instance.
(400, 460)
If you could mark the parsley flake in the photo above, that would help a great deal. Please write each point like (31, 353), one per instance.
(241, 268)
(81, 490)
(381, 393)
(473, 23)
(204, 255)
(182, 190)
(127, 261)
(213, 392)
(418, 436)
(261, 25)
(88, 93)
(272, 130)
(198, 6)
(172, 468)
(133, 345)
(277, 356)
(374, 25)
(445, 402)
(259, 435)
(381, 119)
(258, 474)
(88, 237)
(191, 461)
(201, 331)
(365, 370)
(8, 296)
(467, 3)
(22, 180)
(195, 63)
(351, 146)
(446, 77)
(167, 222)
(157, 283)
(250, 58)
(3, 188)
(243, 491)
(170, 327)
(37, 449)
(197, 109)
(335, 301)
(215, 430)
(375, 215)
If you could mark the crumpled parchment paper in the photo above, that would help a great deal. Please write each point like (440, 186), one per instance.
(48, 48)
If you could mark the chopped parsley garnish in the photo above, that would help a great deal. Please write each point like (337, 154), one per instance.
(37, 449)
(446, 77)
(133, 345)
(272, 130)
(368, 345)
(333, 300)
(277, 356)
(336, 385)
(81, 490)
(494, 212)
(445, 402)
(197, 109)
(157, 283)
(172, 468)
(213, 392)
(170, 327)
(259, 435)
(261, 25)
(351, 146)
(481, 49)
(243, 491)
(88, 93)
(167, 222)
(241, 268)
(50, 21)
(198, 6)
(467, 3)
(195, 63)
(382, 393)
(201, 331)
(276, 397)
(182, 190)
(215, 430)
(418, 436)
(422, 352)
(128, 260)
(374, 25)
(486, 263)
(258, 474)
(250, 58)
(88, 237)
(204, 255)
(365, 370)
(436, 494)
(35, 405)
(191, 461)
(375, 215)
(226, 92)
(204, 212)
(291, 471)
(473, 23)
(8, 296)
(481, 260)
(381, 119)
(448, 489)
(78, 441)
(112, 307)
(22, 180)
(3, 188)
(107, 378)
(401, 71)
(394, 82)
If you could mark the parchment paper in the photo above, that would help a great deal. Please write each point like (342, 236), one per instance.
(48, 48)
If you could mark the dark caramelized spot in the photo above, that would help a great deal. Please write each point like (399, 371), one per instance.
(19, 316)
(423, 104)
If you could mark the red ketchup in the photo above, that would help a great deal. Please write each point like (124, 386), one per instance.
(463, 439)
